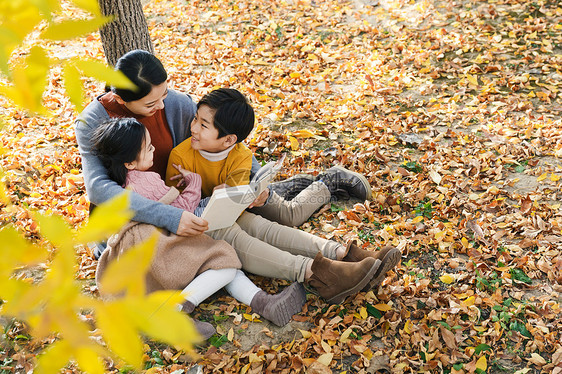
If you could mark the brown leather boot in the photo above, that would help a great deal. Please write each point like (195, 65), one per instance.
(336, 280)
(388, 255)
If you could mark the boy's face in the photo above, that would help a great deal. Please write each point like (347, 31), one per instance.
(204, 134)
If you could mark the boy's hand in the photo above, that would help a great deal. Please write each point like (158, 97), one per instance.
(181, 176)
(191, 225)
(260, 200)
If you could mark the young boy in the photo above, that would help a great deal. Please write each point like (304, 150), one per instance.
(223, 120)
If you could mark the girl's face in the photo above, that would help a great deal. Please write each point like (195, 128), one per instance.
(149, 104)
(145, 157)
(204, 134)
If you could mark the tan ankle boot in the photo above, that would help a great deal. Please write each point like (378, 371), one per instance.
(388, 255)
(335, 280)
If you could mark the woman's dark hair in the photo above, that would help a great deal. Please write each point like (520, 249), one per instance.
(116, 142)
(143, 69)
(233, 113)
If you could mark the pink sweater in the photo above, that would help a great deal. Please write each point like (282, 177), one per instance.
(150, 185)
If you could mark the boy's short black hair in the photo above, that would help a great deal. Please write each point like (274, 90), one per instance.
(233, 112)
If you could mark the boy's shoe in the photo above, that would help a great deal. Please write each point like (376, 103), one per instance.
(388, 255)
(291, 187)
(343, 182)
(336, 280)
(280, 308)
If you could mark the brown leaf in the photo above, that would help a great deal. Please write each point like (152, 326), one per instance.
(448, 338)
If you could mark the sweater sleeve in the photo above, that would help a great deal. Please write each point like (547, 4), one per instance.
(191, 194)
(101, 188)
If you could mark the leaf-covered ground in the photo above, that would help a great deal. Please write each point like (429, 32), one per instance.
(451, 109)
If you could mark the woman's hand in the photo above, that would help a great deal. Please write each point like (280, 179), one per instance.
(260, 200)
(181, 176)
(191, 225)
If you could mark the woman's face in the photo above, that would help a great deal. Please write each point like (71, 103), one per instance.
(149, 104)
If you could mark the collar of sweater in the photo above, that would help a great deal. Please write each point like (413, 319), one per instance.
(216, 156)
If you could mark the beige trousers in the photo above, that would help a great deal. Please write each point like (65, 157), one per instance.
(272, 250)
(297, 211)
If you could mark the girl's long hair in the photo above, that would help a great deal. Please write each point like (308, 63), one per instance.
(118, 141)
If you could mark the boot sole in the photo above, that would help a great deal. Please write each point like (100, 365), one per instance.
(339, 298)
(361, 177)
(297, 293)
(389, 261)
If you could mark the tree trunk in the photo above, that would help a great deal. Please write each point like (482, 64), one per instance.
(127, 32)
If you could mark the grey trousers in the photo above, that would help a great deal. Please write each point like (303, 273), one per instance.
(298, 210)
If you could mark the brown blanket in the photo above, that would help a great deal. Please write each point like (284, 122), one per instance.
(177, 259)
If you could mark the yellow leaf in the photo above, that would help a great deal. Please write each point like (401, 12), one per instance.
(480, 328)
(158, 317)
(104, 73)
(4, 199)
(99, 226)
(230, 335)
(469, 301)
(55, 358)
(472, 79)
(304, 133)
(294, 143)
(383, 307)
(305, 334)
(295, 75)
(482, 364)
(344, 338)
(128, 273)
(29, 81)
(90, 5)
(70, 29)
(554, 177)
(447, 279)
(89, 361)
(326, 359)
(326, 347)
(363, 313)
(55, 229)
(464, 242)
(542, 177)
(408, 327)
(73, 85)
(118, 332)
(16, 250)
(417, 219)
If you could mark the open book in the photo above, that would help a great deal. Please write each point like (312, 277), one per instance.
(227, 204)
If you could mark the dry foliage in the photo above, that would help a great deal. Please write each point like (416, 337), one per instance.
(450, 109)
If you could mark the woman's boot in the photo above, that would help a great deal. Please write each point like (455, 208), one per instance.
(389, 257)
(335, 280)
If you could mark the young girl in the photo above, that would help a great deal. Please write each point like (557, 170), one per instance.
(198, 264)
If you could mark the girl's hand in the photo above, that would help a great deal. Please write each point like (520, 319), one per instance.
(181, 176)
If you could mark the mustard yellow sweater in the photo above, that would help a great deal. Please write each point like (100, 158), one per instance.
(234, 170)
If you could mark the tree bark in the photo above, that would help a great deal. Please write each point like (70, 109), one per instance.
(128, 31)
